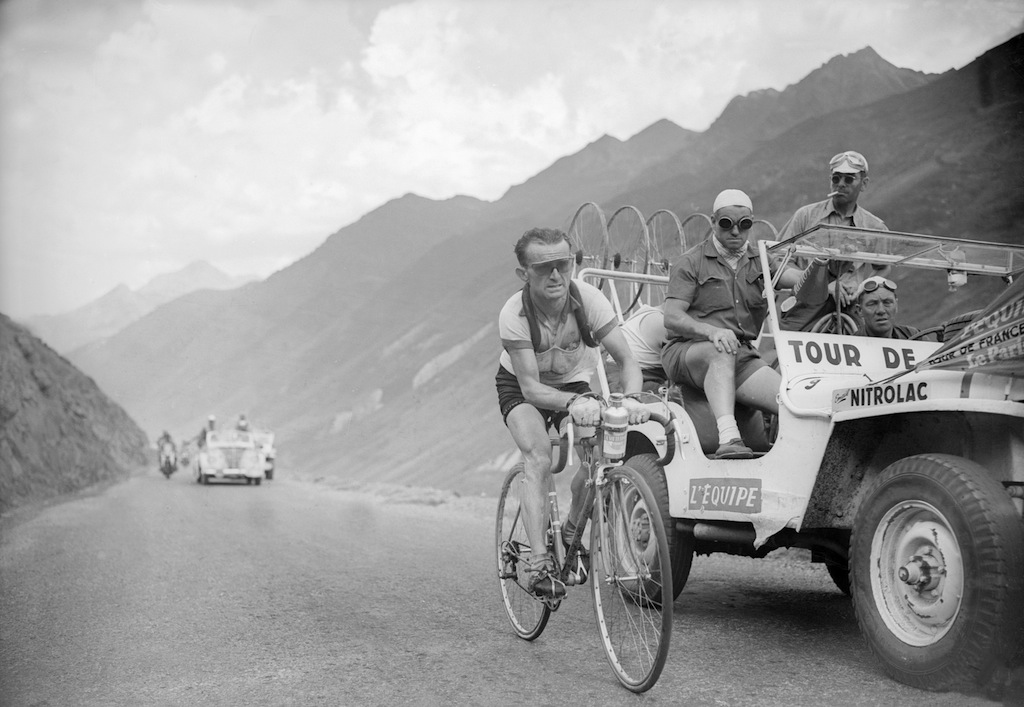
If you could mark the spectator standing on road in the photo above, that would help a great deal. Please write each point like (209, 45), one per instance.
(713, 311)
(211, 422)
(545, 365)
(849, 179)
(876, 306)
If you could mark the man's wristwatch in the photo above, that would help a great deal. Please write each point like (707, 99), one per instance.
(571, 400)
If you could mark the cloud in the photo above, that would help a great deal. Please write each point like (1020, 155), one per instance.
(140, 135)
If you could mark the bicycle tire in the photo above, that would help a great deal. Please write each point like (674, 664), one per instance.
(628, 548)
(527, 614)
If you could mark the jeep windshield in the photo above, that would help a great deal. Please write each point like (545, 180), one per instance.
(903, 250)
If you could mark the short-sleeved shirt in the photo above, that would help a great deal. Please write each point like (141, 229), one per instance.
(563, 357)
(802, 316)
(718, 295)
(825, 212)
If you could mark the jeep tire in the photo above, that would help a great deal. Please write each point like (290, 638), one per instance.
(680, 544)
(937, 573)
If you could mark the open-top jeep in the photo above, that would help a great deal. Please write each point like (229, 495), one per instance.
(898, 463)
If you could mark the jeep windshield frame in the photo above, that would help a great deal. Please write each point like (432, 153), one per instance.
(893, 248)
(914, 250)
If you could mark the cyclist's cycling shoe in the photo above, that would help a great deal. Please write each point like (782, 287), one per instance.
(542, 580)
(734, 449)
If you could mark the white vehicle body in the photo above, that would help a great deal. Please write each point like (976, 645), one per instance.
(230, 454)
(855, 413)
(265, 440)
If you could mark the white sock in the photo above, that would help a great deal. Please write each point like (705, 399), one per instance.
(727, 429)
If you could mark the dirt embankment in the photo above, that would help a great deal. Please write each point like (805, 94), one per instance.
(58, 431)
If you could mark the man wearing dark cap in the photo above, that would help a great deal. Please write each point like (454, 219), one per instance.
(849, 179)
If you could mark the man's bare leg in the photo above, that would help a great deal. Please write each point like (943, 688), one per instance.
(761, 390)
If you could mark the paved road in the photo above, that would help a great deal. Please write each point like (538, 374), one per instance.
(157, 592)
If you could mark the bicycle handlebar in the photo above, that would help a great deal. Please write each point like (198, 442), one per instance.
(667, 422)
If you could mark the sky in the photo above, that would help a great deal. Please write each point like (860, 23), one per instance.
(138, 136)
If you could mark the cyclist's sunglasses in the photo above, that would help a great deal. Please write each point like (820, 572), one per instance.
(845, 178)
(725, 223)
(872, 285)
(563, 266)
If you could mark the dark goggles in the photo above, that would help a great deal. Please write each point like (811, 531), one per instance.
(844, 178)
(564, 265)
(726, 224)
(872, 285)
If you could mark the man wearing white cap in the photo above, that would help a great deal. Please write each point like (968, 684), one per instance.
(849, 179)
(876, 305)
(714, 308)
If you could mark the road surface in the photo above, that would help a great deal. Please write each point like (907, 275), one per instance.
(164, 592)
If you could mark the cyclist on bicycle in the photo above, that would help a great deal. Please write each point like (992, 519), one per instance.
(547, 331)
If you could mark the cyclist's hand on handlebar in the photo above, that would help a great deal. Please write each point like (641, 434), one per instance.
(586, 412)
(638, 412)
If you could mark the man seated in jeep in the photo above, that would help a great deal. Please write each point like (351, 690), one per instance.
(876, 306)
(713, 311)
(549, 331)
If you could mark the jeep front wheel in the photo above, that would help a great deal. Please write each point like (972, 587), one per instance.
(936, 559)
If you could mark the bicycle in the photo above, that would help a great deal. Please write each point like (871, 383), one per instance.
(628, 550)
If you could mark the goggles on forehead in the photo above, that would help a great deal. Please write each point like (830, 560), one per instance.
(873, 284)
(855, 160)
(563, 265)
(726, 224)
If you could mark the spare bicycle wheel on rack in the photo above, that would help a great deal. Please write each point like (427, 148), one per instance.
(696, 229)
(666, 237)
(628, 251)
(588, 233)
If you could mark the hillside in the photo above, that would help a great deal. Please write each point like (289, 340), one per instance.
(58, 431)
(118, 308)
(374, 356)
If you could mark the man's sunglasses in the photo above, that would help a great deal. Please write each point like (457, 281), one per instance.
(845, 178)
(725, 223)
(872, 285)
(544, 269)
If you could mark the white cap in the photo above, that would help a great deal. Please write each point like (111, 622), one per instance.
(732, 197)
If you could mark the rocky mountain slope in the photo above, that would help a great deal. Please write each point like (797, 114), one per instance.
(58, 431)
(112, 312)
(374, 356)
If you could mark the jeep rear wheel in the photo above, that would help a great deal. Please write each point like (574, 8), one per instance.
(680, 544)
(936, 559)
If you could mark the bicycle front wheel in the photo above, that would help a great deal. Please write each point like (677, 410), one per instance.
(526, 612)
(630, 573)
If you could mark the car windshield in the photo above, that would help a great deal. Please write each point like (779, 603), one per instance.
(904, 250)
(229, 437)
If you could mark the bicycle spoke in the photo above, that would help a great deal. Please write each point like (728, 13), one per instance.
(527, 614)
(629, 548)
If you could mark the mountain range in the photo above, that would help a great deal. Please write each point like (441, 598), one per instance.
(373, 357)
(118, 308)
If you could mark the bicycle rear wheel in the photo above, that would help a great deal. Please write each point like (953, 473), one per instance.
(628, 550)
(526, 612)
